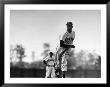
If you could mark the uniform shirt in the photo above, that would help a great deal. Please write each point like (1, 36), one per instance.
(68, 38)
(50, 60)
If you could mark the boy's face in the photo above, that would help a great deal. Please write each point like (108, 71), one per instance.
(51, 54)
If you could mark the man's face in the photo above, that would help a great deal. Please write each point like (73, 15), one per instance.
(69, 28)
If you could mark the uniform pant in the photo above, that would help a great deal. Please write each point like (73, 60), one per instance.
(63, 56)
(50, 72)
(64, 63)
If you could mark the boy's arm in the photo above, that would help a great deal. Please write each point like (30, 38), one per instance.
(45, 60)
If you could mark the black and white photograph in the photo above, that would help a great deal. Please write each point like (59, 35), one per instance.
(58, 42)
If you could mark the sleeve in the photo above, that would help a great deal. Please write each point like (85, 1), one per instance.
(62, 40)
(46, 58)
(63, 37)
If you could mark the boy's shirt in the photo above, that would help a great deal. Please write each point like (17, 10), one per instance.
(50, 60)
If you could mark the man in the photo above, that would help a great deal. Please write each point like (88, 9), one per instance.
(65, 47)
(50, 63)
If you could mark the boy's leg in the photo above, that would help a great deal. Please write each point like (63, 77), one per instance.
(53, 72)
(48, 72)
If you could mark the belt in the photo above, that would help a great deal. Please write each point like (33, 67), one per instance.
(50, 65)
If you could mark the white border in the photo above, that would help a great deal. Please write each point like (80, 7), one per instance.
(55, 7)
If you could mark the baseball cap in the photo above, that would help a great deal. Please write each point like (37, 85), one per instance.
(69, 23)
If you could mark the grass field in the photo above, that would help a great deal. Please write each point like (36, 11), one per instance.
(40, 73)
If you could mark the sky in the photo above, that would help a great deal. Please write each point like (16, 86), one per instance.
(32, 28)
